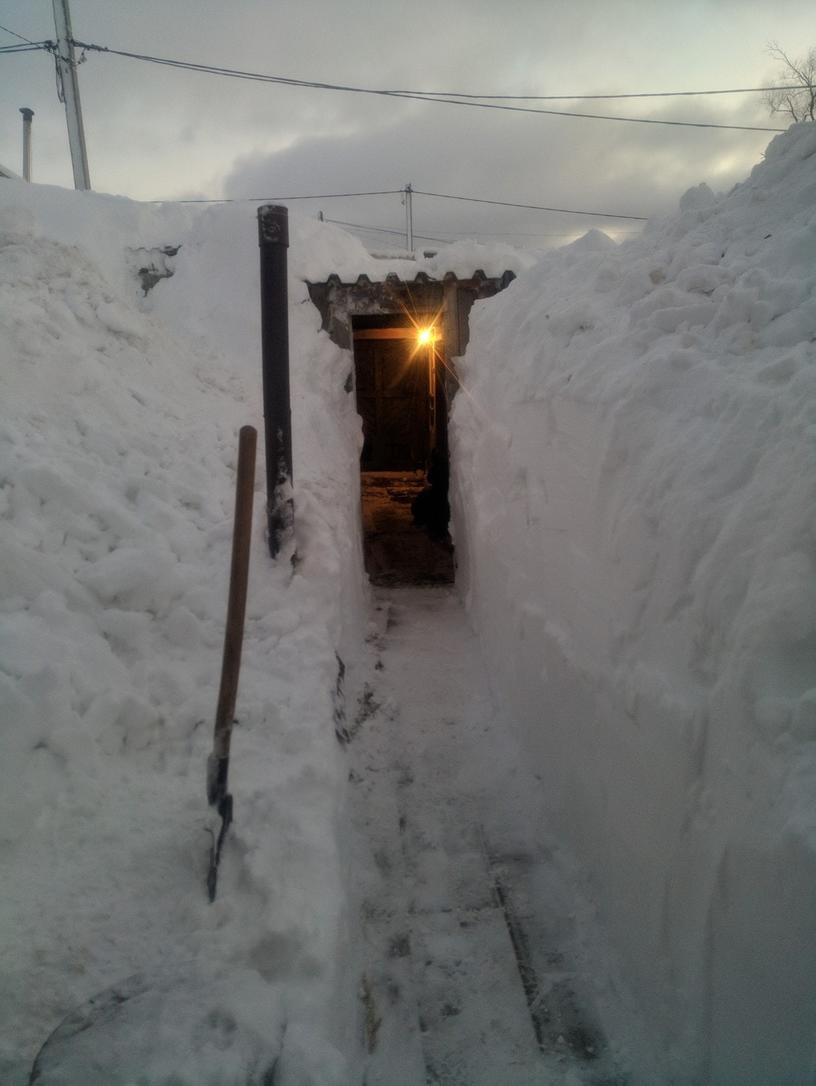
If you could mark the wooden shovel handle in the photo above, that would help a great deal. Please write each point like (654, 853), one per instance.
(236, 611)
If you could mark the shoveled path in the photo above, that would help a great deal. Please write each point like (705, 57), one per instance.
(472, 971)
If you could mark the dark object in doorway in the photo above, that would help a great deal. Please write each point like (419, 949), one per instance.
(430, 507)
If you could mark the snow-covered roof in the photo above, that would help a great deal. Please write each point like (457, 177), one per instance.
(422, 278)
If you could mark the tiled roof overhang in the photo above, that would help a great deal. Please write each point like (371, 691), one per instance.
(338, 302)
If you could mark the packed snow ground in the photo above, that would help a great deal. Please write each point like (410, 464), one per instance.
(480, 962)
(634, 493)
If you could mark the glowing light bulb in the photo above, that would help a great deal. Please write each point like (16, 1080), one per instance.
(424, 336)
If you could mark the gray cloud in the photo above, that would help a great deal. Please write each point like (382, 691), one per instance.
(631, 169)
(154, 132)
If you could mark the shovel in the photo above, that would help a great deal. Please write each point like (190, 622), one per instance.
(119, 1030)
(218, 795)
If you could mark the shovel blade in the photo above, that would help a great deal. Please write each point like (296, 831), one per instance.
(225, 811)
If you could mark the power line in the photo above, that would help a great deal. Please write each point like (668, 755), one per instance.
(476, 233)
(563, 113)
(466, 234)
(33, 48)
(384, 230)
(400, 192)
(442, 94)
(275, 199)
(431, 95)
(418, 96)
(598, 97)
(530, 207)
(527, 234)
(22, 37)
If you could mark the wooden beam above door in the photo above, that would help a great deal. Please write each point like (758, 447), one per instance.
(386, 333)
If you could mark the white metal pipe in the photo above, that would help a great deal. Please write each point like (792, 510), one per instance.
(27, 115)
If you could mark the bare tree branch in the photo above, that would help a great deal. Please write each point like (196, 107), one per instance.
(800, 104)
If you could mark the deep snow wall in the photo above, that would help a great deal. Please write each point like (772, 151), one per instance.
(634, 486)
(118, 440)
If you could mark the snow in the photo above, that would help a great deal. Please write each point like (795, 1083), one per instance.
(459, 897)
(633, 471)
(634, 494)
(119, 438)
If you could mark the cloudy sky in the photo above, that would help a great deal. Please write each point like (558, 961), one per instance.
(159, 133)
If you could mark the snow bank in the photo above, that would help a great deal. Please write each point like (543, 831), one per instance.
(119, 436)
(635, 484)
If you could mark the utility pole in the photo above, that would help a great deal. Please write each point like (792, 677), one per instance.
(27, 115)
(68, 91)
(409, 218)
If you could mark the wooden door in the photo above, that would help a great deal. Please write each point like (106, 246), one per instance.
(393, 399)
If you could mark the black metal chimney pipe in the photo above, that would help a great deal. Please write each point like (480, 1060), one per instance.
(273, 239)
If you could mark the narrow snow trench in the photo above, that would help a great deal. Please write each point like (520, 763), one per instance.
(471, 968)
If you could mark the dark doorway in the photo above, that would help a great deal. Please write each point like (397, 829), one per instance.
(393, 399)
(404, 463)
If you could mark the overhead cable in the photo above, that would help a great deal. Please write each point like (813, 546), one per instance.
(33, 48)
(275, 199)
(22, 37)
(602, 97)
(418, 96)
(400, 192)
(384, 230)
(466, 234)
(530, 207)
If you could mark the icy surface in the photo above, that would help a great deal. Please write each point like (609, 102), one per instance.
(635, 486)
